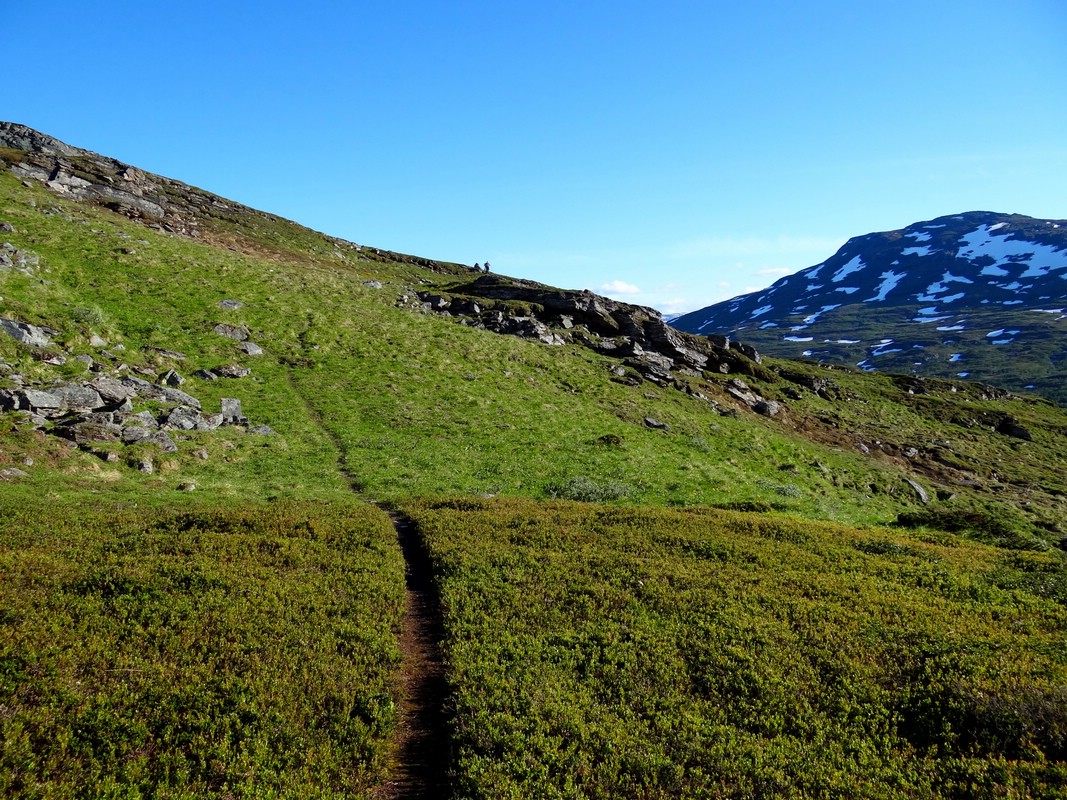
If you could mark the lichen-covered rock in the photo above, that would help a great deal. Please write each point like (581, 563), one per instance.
(231, 371)
(77, 397)
(181, 418)
(110, 389)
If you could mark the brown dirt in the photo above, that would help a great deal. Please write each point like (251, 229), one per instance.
(420, 764)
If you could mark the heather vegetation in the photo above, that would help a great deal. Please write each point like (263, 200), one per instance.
(640, 652)
(647, 589)
(197, 651)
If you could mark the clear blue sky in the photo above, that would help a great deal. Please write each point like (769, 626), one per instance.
(671, 154)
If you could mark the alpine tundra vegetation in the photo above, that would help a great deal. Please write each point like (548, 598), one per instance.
(660, 564)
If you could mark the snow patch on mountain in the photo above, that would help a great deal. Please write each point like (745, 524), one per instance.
(889, 281)
(1039, 258)
(811, 318)
(855, 265)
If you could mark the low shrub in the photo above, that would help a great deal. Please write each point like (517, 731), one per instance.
(588, 490)
(1000, 525)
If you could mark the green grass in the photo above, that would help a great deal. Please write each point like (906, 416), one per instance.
(634, 652)
(414, 404)
(197, 652)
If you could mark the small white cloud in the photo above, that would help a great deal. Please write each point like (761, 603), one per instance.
(619, 287)
(676, 305)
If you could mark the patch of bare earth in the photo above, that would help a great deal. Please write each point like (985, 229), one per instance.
(420, 764)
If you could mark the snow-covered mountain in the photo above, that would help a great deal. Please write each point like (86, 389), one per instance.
(977, 295)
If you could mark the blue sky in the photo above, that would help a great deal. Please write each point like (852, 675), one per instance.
(672, 154)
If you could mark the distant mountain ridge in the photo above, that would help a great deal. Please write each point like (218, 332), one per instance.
(978, 295)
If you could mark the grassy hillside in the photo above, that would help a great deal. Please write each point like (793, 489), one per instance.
(240, 639)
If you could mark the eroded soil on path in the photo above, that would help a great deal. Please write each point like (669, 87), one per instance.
(422, 753)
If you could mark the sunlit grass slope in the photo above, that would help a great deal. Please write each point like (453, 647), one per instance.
(414, 404)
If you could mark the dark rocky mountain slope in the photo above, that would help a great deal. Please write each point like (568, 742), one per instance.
(978, 295)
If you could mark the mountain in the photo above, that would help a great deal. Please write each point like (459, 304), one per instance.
(284, 515)
(978, 295)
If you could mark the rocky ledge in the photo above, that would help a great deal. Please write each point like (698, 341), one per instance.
(647, 348)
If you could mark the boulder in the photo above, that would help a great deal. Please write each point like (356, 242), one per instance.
(12, 401)
(161, 440)
(209, 422)
(1009, 426)
(142, 419)
(181, 418)
(234, 332)
(435, 302)
(767, 408)
(740, 390)
(233, 305)
(42, 401)
(250, 348)
(76, 396)
(231, 371)
(748, 351)
(231, 410)
(111, 390)
(136, 433)
(655, 423)
(26, 334)
(86, 433)
(171, 378)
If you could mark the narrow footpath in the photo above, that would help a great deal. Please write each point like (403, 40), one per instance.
(419, 767)
(422, 746)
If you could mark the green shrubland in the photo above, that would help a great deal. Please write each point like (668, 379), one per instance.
(202, 651)
(637, 652)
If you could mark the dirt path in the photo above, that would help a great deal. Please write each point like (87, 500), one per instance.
(420, 763)
(420, 766)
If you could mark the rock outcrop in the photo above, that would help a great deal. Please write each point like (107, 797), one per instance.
(102, 409)
(648, 348)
